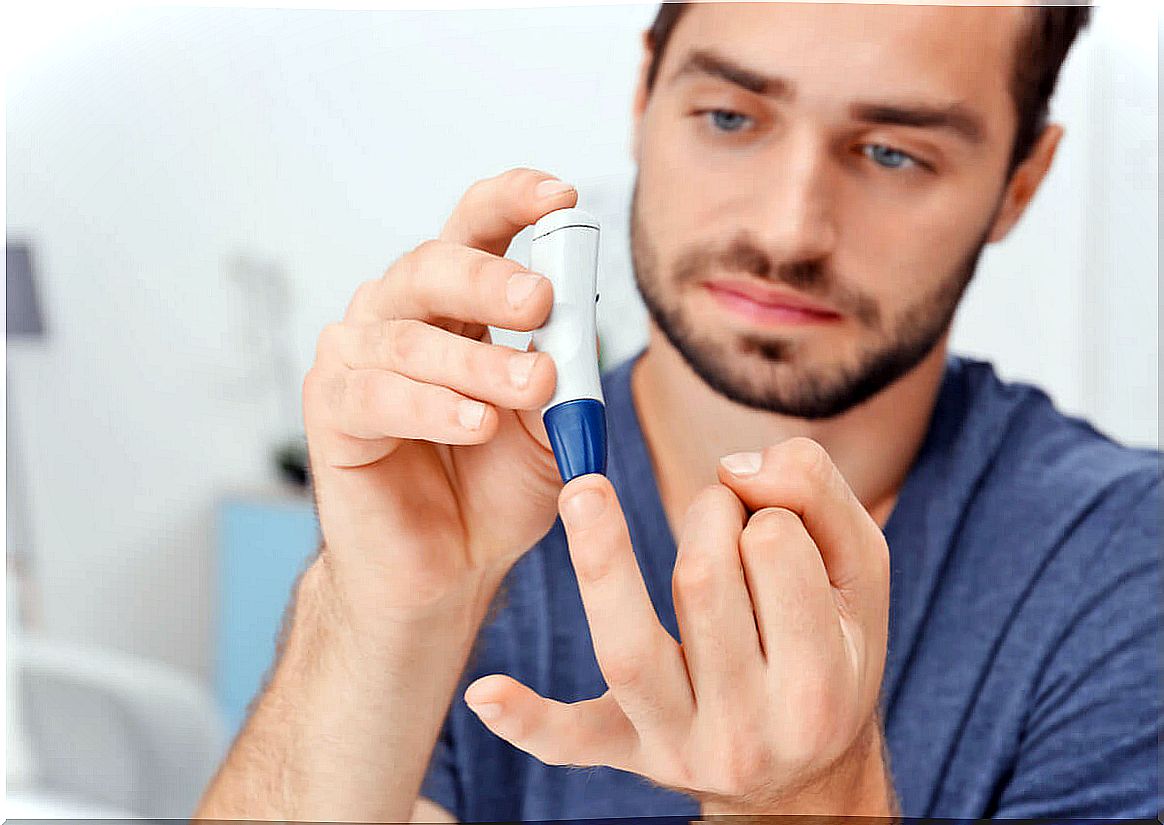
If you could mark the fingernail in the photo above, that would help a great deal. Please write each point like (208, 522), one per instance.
(551, 187)
(487, 712)
(742, 464)
(584, 507)
(520, 286)
(470, 414)
(520, 367)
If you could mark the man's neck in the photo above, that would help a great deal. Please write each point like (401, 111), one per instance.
(688, 427)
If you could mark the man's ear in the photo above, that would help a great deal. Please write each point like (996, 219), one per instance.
(1025, 182)
(640, 99)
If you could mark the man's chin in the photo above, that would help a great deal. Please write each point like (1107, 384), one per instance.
(779, 376)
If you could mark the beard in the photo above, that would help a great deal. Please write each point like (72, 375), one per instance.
(767, 372)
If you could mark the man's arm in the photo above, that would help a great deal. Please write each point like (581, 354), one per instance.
(345, 728)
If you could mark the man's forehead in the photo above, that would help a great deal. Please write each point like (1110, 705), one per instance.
(858, 50)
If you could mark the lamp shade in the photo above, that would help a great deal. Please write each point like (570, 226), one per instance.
(24, 318)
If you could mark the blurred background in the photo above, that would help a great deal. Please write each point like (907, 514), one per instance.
(192, 194)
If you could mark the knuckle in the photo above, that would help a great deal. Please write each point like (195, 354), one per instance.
(478, 190)
(422, 404)
(702, 505)
(694, 579)
(401, 341)
(365, 290)
(425, 250)
(476, 362)
(322, 394)
(410, 268)
(807, 458)
(400, 273)
(360, 390)
(542, 379)
(622, 669)
(505, 268)
(593, 567)
(753, 549)
(363, 295)
(713, 498)
(329, 342)
(312, 389)
(519, 180)
(483, 269)
(767, 526)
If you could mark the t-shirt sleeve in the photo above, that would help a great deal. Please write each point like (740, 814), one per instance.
(1090, 744)
(442, 782)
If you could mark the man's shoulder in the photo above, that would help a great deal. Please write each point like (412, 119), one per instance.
(1048, 467)
(1042, 444)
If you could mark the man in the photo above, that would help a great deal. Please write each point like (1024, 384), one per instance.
(833, 570)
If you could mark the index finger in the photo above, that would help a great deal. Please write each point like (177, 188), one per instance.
(798, 475)
(643, 666)
(495, 209)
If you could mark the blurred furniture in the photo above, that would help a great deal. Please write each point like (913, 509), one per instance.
(263, 544)
(22, 308)
(24, 321)
(110, 735)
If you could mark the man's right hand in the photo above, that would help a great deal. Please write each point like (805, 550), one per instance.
(432, 475)
(431, 467)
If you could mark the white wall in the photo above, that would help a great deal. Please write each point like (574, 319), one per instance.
(1071, 299)
(147, 149)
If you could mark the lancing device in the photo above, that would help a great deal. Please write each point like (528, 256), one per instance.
(565, 250)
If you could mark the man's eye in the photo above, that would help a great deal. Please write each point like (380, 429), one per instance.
(726, 120)
(888, 157)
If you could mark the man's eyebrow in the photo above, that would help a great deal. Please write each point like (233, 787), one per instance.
(703, 62)
(955, 117)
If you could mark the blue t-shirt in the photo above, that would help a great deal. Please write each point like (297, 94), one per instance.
(1022, 677)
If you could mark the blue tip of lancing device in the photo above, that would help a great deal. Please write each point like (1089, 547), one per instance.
(577, 431)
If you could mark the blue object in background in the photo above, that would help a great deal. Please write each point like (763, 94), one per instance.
(263, 544)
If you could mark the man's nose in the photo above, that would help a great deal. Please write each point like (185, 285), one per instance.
(796, 200)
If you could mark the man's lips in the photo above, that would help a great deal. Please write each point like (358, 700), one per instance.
(768, 305)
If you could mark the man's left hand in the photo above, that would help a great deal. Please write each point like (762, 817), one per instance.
(769, 705)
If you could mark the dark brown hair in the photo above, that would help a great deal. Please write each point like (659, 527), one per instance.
(1040, 55)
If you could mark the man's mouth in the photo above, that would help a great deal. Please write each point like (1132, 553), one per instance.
(769, 305)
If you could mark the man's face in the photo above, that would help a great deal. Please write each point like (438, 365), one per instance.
(815, 184)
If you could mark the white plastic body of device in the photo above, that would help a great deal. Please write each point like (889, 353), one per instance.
(564, 249)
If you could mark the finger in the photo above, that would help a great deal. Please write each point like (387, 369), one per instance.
(493, 210)
(493, 373)
(374, 404)
(641, 663)
(799, 475)
(592, 732)
(442, 280)
(791, 593)
(717, 626)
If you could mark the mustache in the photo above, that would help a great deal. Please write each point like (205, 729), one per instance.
(811, 276)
